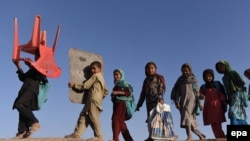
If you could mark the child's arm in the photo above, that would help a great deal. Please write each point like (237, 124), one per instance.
(118, 91)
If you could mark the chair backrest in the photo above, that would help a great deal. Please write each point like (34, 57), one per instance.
(45, 64)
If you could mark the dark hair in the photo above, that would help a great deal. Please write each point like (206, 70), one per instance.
(96, 63)
(158, 75)
(147, 65)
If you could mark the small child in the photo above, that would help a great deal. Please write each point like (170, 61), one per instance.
(236, 92)
(121, 92)
(153, 88)
(184, 94)
(90, 115)
(215, 103)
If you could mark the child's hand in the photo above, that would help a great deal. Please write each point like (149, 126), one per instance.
(201, 96)
(137, 108)
(114, 92)
(201, 107)
(71, 84)
(160, 100)
(16, 62)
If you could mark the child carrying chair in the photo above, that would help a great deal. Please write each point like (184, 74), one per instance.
(161, 122)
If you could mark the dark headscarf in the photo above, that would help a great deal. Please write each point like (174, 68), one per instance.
(208, 84)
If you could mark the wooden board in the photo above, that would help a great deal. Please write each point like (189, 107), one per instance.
(79, 62)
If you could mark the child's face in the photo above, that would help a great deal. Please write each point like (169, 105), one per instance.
(151, 69)
(208, 77)
(95, 69)
(117, 76)
(185, 71)
(221, 67)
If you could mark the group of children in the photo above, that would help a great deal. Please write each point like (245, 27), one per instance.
(186, 95)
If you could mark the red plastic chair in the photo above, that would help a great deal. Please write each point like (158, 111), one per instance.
(45, 64)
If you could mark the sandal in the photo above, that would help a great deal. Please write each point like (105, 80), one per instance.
(20, 135)
(72, 136)
(34, 127)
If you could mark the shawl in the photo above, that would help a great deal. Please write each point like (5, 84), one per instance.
(231, 79)
(122, 82)
(191, 78)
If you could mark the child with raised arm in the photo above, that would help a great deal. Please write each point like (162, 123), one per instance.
(236, 92)
(90, 115)
(121, 92)
(184, 94)
(27, 99)
(214, 104)
(153, 89)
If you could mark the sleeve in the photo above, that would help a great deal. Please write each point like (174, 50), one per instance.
(222, 91)
(126, 90)
(87, 84)
(238, 80)
(202, 89)
(21, 75)
(142, 96)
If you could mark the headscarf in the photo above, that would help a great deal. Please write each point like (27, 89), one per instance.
(231, 79)
(122, 82)
(156, 74)
(191, 78)
(208, 84)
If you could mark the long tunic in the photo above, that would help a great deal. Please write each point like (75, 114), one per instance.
(31, 80)
(213, 106)
(96, 91)
(186, 97)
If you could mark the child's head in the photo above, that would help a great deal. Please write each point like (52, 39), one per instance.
(150, 68)
(247, 73)
(208, 75)
(118, 75)
(222, 67)
(186, 69)
(96, 67)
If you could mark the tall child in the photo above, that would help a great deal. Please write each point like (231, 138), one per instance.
(215, 103)
(26, 101)
(184, 94)
(153, 90)
(90, 115)
(236, 92)
(121, 91)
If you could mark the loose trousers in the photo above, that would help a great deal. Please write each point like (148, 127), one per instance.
(92, 118)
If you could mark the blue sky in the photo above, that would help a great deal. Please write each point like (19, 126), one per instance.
(127, 34)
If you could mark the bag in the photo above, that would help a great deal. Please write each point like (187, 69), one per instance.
(42, 95)
(130, 104)
(197, 109)
(161, 123)
(130, 108)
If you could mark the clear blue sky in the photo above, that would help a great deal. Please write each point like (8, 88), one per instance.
(127, 34)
